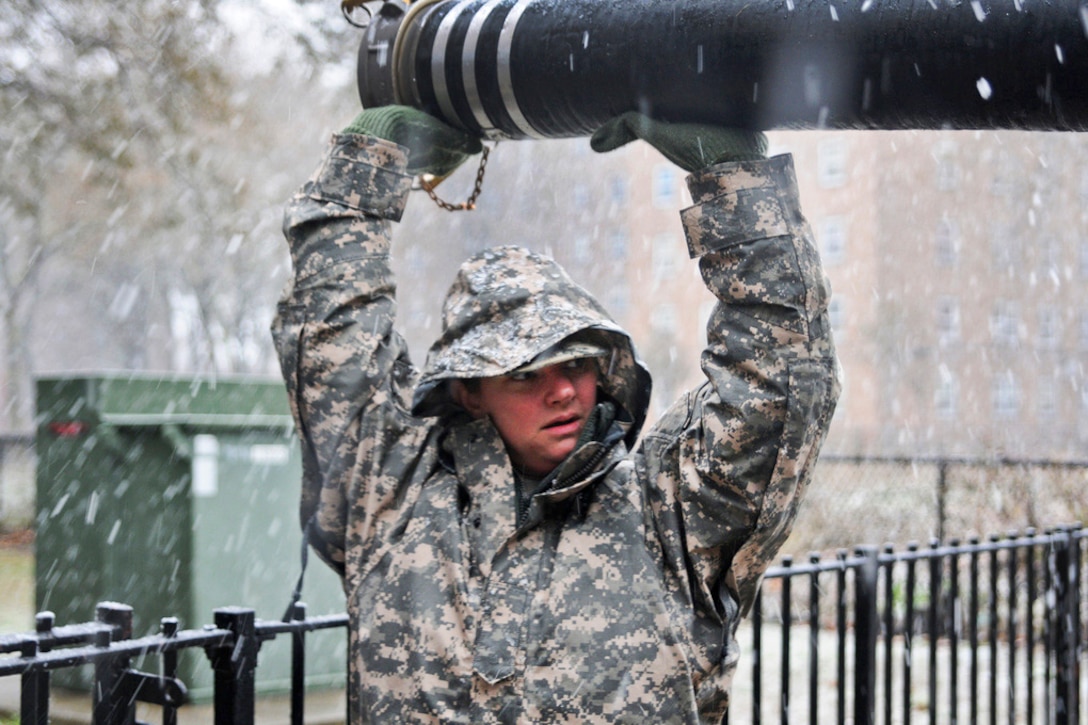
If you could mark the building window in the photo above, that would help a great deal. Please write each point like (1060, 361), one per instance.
(664, 257)
(1006, 394)
(1047, 402)
(1050, 258)
(836, 313)
(831, 162)
(582, 250)
(663, 318)
(618, 243)
(1083, 259)
(414, 258)
(1043, 183)
(947, 393)
(1004, 170)
(1050, 324)
(580, 196)
(948, 319)
(833, 239)
(618, 187)
(948, 171)
(618, 301)
(664, 186)
(1004, 249)
(706, 309)
(1083, 331)
(1005, 323)
(947, 242)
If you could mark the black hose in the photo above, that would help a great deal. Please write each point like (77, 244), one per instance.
(559, 68)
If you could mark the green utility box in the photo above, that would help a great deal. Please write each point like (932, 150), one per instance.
(177, 496)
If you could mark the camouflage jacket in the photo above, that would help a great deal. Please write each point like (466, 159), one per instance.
(616, 597)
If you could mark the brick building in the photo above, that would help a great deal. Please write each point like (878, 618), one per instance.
(958, 262)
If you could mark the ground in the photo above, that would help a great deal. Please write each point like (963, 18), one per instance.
(17, 585)
(16, 582)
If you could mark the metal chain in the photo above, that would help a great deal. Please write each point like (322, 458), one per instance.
(470, 203)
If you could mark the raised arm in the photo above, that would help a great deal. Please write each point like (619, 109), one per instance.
(730, 461)
(341, 358)
(334, 328)
(770, 365)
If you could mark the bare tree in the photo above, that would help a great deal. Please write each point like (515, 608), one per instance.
(144, 174)
(89, 90)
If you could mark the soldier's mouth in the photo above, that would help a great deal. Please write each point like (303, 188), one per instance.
(561, 424)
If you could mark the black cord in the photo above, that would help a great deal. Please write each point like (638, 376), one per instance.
(304, 557)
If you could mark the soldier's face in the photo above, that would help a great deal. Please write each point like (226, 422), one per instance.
(538, 414)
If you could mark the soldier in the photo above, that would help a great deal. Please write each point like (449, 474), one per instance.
(512, 549)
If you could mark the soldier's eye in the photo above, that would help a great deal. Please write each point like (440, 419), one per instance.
(579, 364)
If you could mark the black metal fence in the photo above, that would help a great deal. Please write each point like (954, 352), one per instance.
(231, 644)
(976, 632)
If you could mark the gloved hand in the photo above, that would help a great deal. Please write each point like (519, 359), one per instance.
(433, 146)
(691, 146)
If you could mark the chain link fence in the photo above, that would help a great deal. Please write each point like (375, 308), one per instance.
(851, 501)
(855, 501)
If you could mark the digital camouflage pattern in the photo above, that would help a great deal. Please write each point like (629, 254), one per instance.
(618, 596)
(506, 306)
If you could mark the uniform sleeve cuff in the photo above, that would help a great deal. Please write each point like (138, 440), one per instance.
(737, 202)
(364, 173)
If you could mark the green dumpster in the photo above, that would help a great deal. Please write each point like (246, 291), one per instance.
(176, 496)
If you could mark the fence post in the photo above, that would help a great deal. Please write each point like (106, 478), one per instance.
(889, 628)
(34, 693)
(111, 701)
(787, 623)
(1075, 539)
(840, 628)
(1062, 616)
(933, 624)
(866, 623)
(814, 634)
(168, 626)
(908, 631)
(942, 497)
(235, 667)
(757, 657)
(298, 665)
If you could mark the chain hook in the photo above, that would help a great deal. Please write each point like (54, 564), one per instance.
(469, 204)
(347, 7)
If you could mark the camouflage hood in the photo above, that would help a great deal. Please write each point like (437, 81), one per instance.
(508, 305)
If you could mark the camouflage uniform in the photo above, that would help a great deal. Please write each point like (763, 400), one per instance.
(613, 595)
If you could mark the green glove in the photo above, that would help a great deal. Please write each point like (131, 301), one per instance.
(433, 146)
(691, 146)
